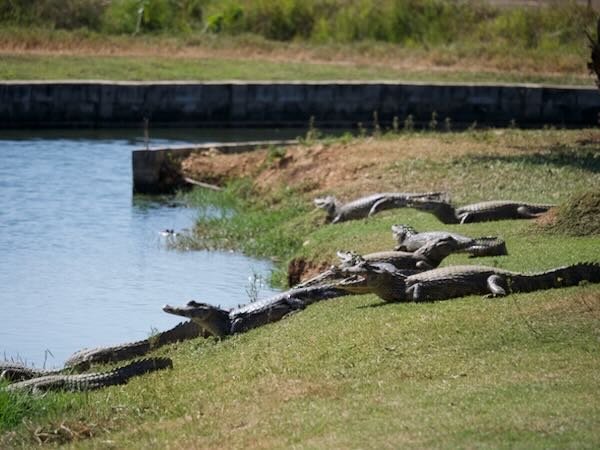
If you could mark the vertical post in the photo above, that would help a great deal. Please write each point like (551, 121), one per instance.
(146, 135)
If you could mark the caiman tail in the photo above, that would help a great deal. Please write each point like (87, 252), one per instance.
(555, 278)
(487, 246)
(83, 359)
(91, 381)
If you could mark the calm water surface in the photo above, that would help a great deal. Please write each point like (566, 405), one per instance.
(82, 263)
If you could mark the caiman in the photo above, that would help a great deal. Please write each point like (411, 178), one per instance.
(427, 257)
(84, 359)
(220, 322)
(90, 381)
(458, 281)
(409, 240)
(370, 205)
(14, 371)
(480, 212)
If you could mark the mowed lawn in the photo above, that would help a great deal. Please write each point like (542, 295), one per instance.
(355, 372)
(159, 68)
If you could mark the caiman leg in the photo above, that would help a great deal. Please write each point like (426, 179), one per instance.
(464, 218)
(415, 292)
(376, 205)
(525, 212)
(422, 265)
(497, 286)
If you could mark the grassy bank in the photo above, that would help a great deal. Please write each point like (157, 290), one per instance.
(153, 68)
(341, 39)
(515, 372)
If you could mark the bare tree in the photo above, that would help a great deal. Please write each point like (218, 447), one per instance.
(594, 64)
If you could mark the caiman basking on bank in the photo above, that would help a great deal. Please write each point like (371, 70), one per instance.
(90, 381)
(84, 359)
(220, 322)
(409, 240)
(427, 257)
(370, 205)
(480, 212)
(458, 281)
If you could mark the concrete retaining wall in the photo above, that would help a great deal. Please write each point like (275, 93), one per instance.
(158, 170)
(266, 104)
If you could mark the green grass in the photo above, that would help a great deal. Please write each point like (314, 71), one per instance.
(138, 68)
(544, 168)
(432, 40)
(514, 372)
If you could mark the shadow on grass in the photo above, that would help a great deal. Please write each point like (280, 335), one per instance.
(377, 305)
(586, 158)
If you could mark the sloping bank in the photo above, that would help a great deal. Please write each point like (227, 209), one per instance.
(272, 190)
(519, 371)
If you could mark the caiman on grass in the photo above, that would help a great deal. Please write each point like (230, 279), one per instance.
(458, 281)
(91, 381)
(84, 359)
(370, 205)
(480, 212)
(430, 255)
(220, 322)
(409, 240)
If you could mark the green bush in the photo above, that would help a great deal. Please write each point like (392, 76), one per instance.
(132, 16)
(67, 14)
(406, 22)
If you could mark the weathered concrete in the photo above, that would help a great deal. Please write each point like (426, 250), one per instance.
(84, 104)
(158, 170)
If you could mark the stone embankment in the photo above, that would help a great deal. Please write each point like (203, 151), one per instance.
(103, 104)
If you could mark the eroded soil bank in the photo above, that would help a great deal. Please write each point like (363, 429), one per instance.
(545, 166)
(353, 167)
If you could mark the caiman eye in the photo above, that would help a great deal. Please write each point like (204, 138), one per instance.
(193, 303)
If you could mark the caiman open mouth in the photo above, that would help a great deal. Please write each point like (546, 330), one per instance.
(355, 283)
(178, 311)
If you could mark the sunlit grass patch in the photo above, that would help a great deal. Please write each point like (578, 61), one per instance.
(518, 372)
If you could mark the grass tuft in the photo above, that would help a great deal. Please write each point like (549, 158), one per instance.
(578, 216)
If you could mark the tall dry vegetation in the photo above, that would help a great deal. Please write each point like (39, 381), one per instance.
(407, 22)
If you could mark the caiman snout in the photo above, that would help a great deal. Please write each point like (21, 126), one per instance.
(355, 284)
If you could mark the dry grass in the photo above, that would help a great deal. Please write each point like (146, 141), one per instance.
(347, 167)
(429, 62)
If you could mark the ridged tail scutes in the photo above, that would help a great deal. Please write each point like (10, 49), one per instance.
(564, 276)
(119, 375)
(91, 381)
(143, 366)
(488, 246)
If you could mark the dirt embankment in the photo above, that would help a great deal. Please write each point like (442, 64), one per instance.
(407, 162)
(348, 169)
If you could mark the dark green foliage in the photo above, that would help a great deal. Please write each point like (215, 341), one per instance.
(66, 14)
(129, 16)
(406, 22)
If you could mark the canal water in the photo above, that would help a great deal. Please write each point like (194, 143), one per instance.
(82, 262)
